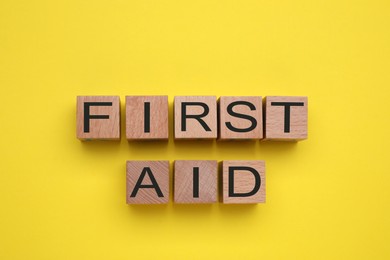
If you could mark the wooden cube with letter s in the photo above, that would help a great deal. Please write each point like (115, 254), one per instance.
(240, 118)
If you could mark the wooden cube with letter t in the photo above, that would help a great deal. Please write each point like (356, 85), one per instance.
(147, 182)
(98, 117)
(195, 117)
(146, 117)
(285, 118)
(195, 181)
(240, 118)
(243, 182)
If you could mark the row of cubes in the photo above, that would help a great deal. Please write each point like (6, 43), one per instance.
(195, 181)
(195, 117)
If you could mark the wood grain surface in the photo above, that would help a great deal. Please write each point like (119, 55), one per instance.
(194, 130)
(275, 119)
(155, 126)
(244, 182)
(205, 189)
(240, 123)
(160, 171)
(99, 129)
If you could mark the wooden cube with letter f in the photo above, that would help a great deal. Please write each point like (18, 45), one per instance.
(98, 118)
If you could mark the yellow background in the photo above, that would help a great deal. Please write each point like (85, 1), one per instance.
(327, 197)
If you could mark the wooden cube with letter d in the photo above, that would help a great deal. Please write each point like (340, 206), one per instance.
(243, 182)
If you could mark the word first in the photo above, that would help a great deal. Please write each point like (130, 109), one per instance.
(195, 117)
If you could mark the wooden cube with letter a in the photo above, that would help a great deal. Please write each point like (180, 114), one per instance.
(147, 182)
(243, 182)
(195, 117)
(285, 118)
(98, 117)
(240, 118)
(146, 117)
(195, 181)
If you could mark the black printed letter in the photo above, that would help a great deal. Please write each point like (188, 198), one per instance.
(139, 184)
(287, 106)
(147, 117)
(231, 181)
(195, 184)
(184, 115)
(250, 118)
(87, 116)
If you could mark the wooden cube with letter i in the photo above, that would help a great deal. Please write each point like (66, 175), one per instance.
(146, 117)
(195, 181)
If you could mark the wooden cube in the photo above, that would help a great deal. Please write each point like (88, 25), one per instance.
(243, 182)
(98, 117)
(147, 182)
(285, 118)
(195, 181)
(195, 117)
(240, 118)
(146, 117)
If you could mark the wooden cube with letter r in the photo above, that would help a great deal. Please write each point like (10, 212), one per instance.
(195, 117)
